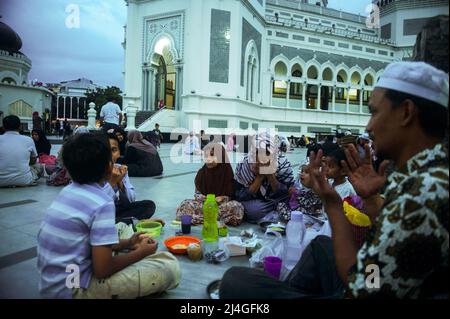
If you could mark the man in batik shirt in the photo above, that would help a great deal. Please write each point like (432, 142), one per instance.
(406, 253)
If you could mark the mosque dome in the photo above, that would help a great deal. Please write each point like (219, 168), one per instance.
(9, 39)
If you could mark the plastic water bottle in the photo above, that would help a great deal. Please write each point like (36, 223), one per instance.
(295, 231)
(210, 232)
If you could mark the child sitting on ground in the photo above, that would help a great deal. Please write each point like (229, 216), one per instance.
(123, 191)
(336, 172)
(77, 238)
(302, 198)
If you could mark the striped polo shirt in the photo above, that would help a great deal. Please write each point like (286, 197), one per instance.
(81, 216)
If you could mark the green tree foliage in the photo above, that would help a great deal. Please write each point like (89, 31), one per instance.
(100, 96)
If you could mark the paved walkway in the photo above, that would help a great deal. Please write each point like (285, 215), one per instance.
(22, 210)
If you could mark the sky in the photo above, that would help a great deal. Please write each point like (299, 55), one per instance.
(63, 47)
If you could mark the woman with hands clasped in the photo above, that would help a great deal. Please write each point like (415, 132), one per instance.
(263, 179)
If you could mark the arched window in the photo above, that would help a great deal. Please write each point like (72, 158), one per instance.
(368, 80)
(9, 80)
(354, 93)
(327, 75)
(279, 88)
(355, 79)
(20, 108)
(296, 89)
(252, 72)
(312, 72)
(280, 69)
(341, 77)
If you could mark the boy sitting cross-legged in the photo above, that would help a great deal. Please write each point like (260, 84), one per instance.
(78, 236)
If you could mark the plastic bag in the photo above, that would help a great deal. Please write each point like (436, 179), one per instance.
(216, 256)
(270, 217)
(233, 246)
(317, 227)
(270, 247)
(125, 231)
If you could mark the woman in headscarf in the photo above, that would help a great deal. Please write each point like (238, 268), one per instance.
(122, 137)
(215, 177)
(263, 179)
(141, 156)
(41, 142)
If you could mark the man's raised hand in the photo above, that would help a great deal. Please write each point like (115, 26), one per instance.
(363, 177)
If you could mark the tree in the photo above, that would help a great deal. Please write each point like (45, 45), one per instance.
(100, 97)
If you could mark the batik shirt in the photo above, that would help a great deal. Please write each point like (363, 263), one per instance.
(409, 241)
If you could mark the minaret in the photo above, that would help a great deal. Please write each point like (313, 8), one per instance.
(402, 20)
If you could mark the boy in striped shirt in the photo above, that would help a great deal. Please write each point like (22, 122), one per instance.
(78, 236)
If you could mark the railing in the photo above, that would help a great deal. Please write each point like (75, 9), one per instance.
(16, 55)
(295, 4)
(153, 115)
(325, 29)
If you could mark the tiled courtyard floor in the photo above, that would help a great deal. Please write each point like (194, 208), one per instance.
(22, 210)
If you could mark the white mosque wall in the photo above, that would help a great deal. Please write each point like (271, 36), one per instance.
(414, 13)
(23, 98)
(222, 100)
(228, 115)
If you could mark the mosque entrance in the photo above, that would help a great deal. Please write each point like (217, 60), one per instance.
(165, 76)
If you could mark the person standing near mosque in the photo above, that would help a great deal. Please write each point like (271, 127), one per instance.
(110, 115)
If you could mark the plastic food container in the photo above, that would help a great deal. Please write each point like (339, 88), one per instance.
(194, 252)
(179, 244)
(153, 229)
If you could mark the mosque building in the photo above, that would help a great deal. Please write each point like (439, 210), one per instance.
(17, 96)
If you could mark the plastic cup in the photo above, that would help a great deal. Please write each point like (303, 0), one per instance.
(186, 224)
(272, 266)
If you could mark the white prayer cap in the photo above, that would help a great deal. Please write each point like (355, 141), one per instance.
(418, 79)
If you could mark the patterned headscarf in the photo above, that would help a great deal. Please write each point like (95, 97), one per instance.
(280, 165)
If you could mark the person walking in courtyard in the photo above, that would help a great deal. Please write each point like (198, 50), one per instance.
(159, 135)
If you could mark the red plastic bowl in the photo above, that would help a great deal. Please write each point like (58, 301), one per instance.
(180, 240)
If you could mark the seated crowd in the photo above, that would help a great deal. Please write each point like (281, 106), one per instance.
(407, 206)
